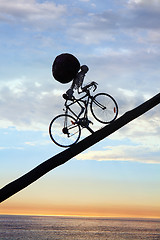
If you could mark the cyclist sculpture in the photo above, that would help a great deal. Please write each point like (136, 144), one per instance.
(65, 129)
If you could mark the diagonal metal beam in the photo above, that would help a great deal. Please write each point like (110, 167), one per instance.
(59, 159)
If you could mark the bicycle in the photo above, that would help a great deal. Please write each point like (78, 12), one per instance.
(65, 129)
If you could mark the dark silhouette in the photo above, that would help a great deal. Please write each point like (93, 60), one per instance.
(55, 161)
(65, 67)
(65, 129)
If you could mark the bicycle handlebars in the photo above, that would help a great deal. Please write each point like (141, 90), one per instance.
(92, 84)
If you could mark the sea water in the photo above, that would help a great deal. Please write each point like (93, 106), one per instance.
(68, 228)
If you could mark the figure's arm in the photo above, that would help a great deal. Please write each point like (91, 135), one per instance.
(94, 84)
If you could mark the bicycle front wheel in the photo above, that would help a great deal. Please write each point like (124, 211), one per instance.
(64, 131)
(104, 108)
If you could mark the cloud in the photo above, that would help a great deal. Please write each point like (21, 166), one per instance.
(154, 4)
(94, 28)
(145, 13)
(32, 105)
(82, 26)
(121, 47)
(27, 105)
(124, 153)
(115, 25)
(82, 33)
(140, 138)
(129, 69)
(144, 130)
(31, 12)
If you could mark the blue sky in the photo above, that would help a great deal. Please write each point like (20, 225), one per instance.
(119, 41)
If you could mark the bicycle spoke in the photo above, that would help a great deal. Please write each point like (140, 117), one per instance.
(104, 108)
(66, 136)
(99, 105)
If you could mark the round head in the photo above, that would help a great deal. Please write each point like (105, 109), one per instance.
(84, 68)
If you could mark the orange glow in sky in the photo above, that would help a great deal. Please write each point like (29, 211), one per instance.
(13, 208)
(85, 196)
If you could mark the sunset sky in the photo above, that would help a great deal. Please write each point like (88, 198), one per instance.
(119, 40)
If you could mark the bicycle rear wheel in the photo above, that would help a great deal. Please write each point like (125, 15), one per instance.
(104, 108)
(64, 131)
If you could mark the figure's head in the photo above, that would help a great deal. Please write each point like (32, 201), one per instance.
(84, 68)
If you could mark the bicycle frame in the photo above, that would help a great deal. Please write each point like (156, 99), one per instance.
(70, 125)
(79, 101)
(83, 122)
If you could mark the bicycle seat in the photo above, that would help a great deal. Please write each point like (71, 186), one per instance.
(65, 96)
(68, 95)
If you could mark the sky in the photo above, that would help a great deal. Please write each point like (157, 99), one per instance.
(119, 40)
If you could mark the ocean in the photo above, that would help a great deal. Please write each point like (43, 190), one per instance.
(69, 228)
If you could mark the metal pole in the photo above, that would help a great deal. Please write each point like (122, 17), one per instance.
(59, 159)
